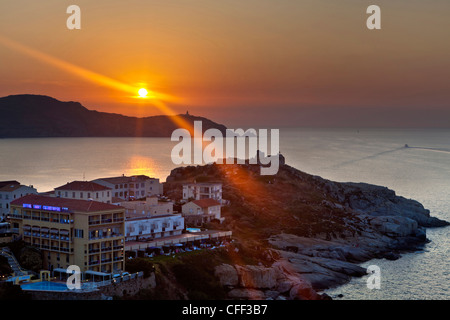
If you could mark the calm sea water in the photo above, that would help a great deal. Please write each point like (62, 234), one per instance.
(374, 156)
(377, 157)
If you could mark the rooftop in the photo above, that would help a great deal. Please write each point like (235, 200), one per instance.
(72, 205)
(125, 179)
(117, 200)
(83, 186)
(130, 216)
(5, 183)
(206, 203)
(202, 184)
(8, 186)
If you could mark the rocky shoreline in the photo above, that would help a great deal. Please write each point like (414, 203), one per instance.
(351, 223)
(388, 226)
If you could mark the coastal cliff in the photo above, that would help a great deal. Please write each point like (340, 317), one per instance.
(297, 234)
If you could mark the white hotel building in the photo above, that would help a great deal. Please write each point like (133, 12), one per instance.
(203, 190)
(153, 227)
(9, 191)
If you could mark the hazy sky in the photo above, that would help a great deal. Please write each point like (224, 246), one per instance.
(240, 62)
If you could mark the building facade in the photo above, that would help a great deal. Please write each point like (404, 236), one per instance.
(9, 191)
(204, 190)
(133, 187)
(151, 206)
(84, 190)
(200, 211)
(88, 234)
(148, 228)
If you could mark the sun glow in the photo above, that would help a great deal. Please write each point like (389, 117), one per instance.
(143, 93)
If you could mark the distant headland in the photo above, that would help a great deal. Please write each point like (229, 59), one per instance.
(33, 116)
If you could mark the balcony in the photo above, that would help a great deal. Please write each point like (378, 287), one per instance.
(105, 221)
(106, 237)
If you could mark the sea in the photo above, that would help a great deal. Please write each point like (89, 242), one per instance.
(413, 162)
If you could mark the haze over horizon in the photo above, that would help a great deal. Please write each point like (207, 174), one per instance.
(240, 63)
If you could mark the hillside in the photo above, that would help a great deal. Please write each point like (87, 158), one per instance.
(298, 234)
(28, 116)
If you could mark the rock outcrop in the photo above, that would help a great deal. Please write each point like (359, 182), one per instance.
(305, 232)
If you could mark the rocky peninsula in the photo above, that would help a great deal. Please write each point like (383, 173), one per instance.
(297, 234)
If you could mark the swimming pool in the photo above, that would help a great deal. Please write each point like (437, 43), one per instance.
(45, 286)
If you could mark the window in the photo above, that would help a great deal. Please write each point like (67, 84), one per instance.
(96, 195)
(107, 194)
(116, 194)
(78, 233)
(89, 195)
(66, 194)
(73, 194)
(116, 186)
(81, 195)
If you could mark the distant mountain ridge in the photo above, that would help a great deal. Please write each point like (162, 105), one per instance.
(30, 116)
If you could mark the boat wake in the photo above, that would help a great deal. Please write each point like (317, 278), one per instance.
(429, 149)
(375, 155)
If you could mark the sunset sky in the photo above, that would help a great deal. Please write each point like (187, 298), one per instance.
(238, 62)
